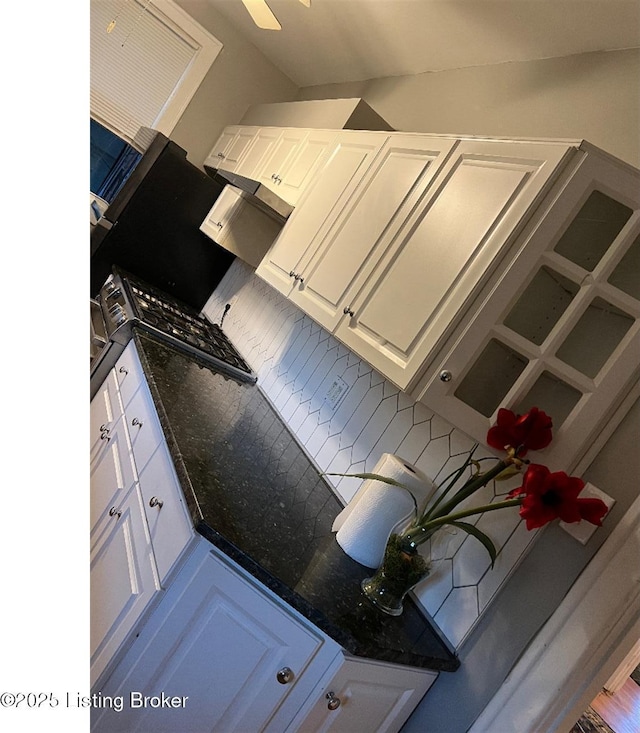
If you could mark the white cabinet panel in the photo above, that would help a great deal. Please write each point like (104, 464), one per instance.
(112, 476)
(274, 165)
(216, 156)
(170, 526)
(239, 227)
(401, 173)
(320, 205)
(559, 328)
(265, 140)
(222, 645)
(237, 148)
(444, 252)
(105, 411)
(299, 169)
(123, 578)
(362, 696)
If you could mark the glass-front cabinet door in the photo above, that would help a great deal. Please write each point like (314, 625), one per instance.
(559, 326)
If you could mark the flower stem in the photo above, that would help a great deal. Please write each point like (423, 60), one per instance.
(468, 489)
(432, 524)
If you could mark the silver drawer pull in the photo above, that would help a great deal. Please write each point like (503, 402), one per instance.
(104, 435)
(347, 311)
(154, 501)
(445, 375)
(285, 675)
(137, 422)
(113, 512)
(334, 702)
(124, 371)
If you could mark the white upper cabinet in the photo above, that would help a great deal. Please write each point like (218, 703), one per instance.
(231, 147)
(295, 160)
(342, 169)
(559, 325)
(444, 251)
(391, 187)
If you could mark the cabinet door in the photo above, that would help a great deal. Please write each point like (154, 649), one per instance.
(104, 412)
(401, 173)
(560, 327)
(298, 169)
(238, 147)
(221, 213)
(221, 643)
(170, 526)
(216, 156)
(445, 251)
(123, 576)
(343, 168)
(265, 140)
(363, 696)
(273, 166)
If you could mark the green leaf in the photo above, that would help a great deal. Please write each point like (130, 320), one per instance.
(384, 479)
(475, 532)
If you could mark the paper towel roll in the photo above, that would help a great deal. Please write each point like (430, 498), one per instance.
(378, 509)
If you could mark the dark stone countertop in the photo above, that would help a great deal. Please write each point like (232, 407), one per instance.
(253, 492)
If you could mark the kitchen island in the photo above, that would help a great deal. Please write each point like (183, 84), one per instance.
(259, 508)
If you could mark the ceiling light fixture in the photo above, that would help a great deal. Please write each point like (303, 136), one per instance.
(263, 16)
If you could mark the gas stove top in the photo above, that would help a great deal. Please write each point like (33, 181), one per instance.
(128, 302)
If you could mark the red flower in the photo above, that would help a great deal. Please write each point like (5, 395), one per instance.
(522, 432)
(550, 495)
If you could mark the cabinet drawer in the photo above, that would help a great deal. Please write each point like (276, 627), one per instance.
(128, 371)
(105, 411)
(143, 425)
(170, 526)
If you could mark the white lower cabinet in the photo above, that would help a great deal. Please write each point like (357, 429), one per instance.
(234, 659)
(185, 639)
(363, 696)
(139, 524)
(220, 644)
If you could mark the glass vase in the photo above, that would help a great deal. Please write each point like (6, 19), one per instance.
(402, 568)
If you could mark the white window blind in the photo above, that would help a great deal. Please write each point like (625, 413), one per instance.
(147, 59)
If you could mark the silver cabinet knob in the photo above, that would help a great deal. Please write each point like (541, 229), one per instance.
(285, 675)
(348, 312)
(114, 512)
(445, 375)
(154, 501)
(124, 371)
(334, 702)
(105, 436)
(220, 155)
(219, 224)
(137, 422)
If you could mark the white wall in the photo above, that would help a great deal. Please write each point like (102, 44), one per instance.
(592, 96)
(240, 77)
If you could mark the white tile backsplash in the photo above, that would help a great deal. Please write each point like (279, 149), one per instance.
(297, 362)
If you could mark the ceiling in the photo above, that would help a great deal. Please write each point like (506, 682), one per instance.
(352, 40)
